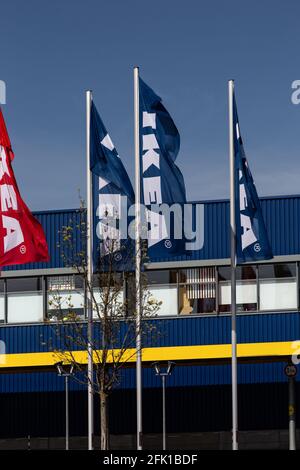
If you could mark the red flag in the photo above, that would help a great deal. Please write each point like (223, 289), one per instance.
(22, 239)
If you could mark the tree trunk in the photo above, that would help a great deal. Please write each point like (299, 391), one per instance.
(104, 427)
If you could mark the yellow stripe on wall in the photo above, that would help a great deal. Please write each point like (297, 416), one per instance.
(216, 352)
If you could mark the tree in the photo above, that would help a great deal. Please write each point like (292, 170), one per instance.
(113, 345)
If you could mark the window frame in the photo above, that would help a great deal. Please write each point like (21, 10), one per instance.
(43, 280)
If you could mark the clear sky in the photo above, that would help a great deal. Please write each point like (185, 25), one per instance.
(52, 51)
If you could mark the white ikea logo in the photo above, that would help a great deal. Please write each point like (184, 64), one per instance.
(8, 201)
(2, 92)
(248, 236)
(151, 185)
(108, 211)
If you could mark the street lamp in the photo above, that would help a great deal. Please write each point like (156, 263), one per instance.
(66, 371)
(163, 371)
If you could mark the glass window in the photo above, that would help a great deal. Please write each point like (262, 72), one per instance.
(114, 302)
(167, 295)
(65, 297)
(164, 293)
(113, 297)
(2, 313)
(24, 284)
(24, 300)
(61, 283)
(278, 286)
(102, 279)
(161, 277)
(246, 288)
(198, 292)
(271, 271)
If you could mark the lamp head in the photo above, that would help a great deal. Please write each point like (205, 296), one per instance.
(170, 367)
(59, 367)
(156, 367)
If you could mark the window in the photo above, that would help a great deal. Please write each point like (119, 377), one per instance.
(162, 277)
(202, 290)
(197, 290)
(167, 295)
(61, 283)
(103, 279)
(277, 286)
(246, 288)
(113, 299)
(24, 300)
(65, 296)
(2, 306)
(162, 287)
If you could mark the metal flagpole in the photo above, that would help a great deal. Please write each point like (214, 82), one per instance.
(163, 379)
(292, 413)
(89, 273)
(67, 411)
(138, 260)
(233, 273)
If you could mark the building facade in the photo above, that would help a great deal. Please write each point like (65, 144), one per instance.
(195, 326)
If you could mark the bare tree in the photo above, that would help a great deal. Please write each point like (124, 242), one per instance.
(113, 344)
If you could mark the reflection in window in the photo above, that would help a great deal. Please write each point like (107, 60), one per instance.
(167, 295)
(162, 277)
(246, 288)
(198, 294)
(65, 297)
(111, 299)
(24, 300)
(2, 312)
(278, 286)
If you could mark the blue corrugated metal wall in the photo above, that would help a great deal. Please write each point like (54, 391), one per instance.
(182, 376)
(170, 332)
(52, 222)
(282, 216)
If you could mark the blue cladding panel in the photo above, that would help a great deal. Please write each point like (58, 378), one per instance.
(52, 222)
(190, 376)
(35, 382)
(182, 376)
(171, 332)
(282, 216)
(217, 330)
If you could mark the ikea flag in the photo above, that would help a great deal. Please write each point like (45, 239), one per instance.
(252, 242)
(112, 195)
(162, 183)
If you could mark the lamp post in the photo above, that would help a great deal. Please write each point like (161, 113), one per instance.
(163, 372)
(66, 372)
(290, 371)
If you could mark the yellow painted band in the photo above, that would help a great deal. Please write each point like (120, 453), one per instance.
(175, 353)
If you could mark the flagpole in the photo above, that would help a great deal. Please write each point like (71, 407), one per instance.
(233, 273)
(138, 259)
(89, 273)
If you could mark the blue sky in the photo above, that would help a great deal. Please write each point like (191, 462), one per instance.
(51, 52)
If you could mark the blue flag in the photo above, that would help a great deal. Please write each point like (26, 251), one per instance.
(252, 242)
(161, 180)
(112, 195)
